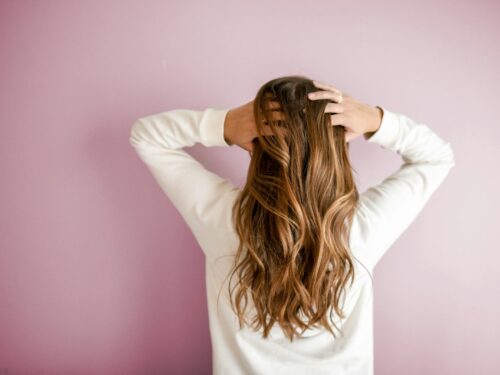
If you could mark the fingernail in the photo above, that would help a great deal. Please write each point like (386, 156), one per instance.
(310, 95)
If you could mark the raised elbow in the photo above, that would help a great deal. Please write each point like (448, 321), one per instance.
(450, 156)
(135, 133)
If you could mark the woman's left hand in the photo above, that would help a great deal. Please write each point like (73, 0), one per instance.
(240, 128)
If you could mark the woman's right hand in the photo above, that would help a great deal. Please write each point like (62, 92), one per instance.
(356, 117)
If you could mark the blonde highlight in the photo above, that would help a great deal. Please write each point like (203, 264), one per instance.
(293, 215)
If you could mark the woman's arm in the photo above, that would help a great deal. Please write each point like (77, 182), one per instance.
(202, 197)
(387, 209)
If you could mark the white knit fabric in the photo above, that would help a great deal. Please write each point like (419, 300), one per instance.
(204, 200)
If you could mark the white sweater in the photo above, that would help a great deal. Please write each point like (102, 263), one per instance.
(204, 200)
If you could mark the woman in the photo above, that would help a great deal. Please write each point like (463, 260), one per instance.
(299, 238)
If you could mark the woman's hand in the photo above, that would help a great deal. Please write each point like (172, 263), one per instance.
(357, 118)
(240, 127)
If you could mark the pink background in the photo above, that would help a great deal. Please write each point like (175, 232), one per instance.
(98, 272)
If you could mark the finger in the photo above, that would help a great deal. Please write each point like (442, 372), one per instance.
(334, 108)
(273, 104)
(338, 119)
(324, 95)
(326, 86)
(349, 135)
(278, 116)
(275, 116)
(267, 130)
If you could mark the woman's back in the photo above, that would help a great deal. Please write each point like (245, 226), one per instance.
(244, 351)
(205, 201)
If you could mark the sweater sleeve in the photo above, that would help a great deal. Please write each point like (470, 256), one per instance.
(388, 208)
(202, 197)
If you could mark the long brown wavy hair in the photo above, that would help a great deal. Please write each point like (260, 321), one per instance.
(294, 214)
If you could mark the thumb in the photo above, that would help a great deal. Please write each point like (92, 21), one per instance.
(349, 135)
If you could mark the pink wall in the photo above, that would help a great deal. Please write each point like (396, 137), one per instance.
(98, 272)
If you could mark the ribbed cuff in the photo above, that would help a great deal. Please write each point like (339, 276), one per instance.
(212, 127)
(387, 133)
